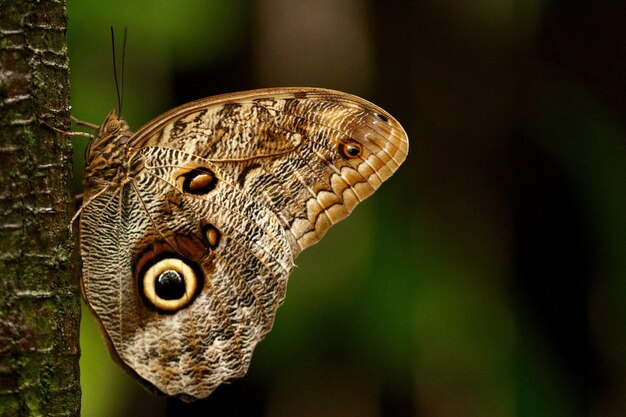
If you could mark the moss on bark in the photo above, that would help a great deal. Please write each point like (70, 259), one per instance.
(39, 292)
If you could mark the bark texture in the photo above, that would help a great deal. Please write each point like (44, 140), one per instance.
(39, 293)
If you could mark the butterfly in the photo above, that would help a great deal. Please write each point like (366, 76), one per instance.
(190, 226)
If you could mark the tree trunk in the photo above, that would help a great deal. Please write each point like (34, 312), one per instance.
(39, 295)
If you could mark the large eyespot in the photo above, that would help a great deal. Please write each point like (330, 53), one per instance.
(170, 284)
(198, 181)
(351, 150)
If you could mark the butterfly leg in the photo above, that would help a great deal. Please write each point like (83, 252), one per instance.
(83, 123)
(66, 133)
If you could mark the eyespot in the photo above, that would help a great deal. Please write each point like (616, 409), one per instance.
(198, 181)
(382, 117)
(211, 235)
(351, 150)
(170, 284)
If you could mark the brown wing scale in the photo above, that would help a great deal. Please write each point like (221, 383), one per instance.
(191, 225)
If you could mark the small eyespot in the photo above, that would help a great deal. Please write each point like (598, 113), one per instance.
(170, 284)
(351, 150)
(211, 235)
(296, 139)
(382, 117)
(198, 181)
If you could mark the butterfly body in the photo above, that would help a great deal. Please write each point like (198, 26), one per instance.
(191, 225)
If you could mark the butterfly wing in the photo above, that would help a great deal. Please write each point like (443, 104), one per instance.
(288, 149)
(187, 261)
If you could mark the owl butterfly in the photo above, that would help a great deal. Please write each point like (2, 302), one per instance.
(190, 226)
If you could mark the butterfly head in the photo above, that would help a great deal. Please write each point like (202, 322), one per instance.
(106, 153)
(113, 125)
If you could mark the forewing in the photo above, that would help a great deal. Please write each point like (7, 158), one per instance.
(286, 149)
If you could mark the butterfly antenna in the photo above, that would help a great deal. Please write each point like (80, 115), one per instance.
(121, 93)
(117, 85)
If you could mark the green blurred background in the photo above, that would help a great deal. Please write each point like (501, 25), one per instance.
(487, 277)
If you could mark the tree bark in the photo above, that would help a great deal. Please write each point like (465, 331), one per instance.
(39, 295)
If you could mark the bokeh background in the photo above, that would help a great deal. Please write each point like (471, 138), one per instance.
(487, 277)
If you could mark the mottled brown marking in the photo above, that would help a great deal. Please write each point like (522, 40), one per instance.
(191, 247)
(173, 201)
(271, 180)
(241, 179)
